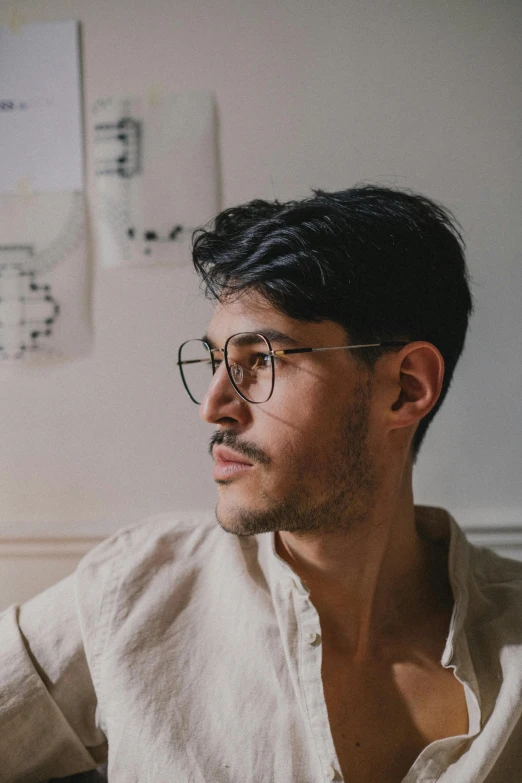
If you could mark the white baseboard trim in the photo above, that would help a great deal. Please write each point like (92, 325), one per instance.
(506, 540)
(47, 547)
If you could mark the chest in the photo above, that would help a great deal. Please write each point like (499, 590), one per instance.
(383, 716)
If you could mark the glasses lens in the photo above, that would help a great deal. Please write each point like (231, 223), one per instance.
(250, 366)
(195, 365)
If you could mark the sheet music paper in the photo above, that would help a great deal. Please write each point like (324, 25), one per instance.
(44, 303)
(155, 174)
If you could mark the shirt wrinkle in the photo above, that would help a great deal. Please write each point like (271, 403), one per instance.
(196, 655)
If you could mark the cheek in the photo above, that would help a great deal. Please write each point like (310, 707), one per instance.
(300, 395)
(303, 418)
(297, 430)
(294, 409)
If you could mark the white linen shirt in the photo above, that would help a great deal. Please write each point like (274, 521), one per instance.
(195, 656)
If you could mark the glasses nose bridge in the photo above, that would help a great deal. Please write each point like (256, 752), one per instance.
(220, 399)
(242, 353)
(215, 362)
(237, 372)
(221, 364)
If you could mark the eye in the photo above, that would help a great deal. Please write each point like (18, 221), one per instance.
(261, 361)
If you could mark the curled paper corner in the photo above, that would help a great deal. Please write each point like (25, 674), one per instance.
(155, 94)
(16, 21)
(24, 187)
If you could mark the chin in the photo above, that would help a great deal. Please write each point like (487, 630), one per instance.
(240, 519)
(229, 524)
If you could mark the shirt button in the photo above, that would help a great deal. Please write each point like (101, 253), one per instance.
(310, 637)
(330, 773)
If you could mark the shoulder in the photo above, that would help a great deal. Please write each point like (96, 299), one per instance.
(159, 537)
(438, 525)
(495, 595)
(141, 569)
(493, 570)
(158, 551)
(489, 578)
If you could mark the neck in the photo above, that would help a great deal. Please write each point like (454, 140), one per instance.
(372, 587)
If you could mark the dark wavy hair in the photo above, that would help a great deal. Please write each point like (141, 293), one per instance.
(385, 264)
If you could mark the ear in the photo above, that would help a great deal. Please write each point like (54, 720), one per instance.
(420, 375)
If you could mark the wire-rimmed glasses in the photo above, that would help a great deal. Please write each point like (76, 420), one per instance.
(249, 360)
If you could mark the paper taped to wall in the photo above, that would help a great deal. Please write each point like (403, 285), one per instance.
(40, 107)
(44, 307)
(155, 174)
(43, 257)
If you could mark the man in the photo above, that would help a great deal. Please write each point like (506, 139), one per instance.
(325, 629)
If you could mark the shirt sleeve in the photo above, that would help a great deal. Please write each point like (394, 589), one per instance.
(48, 703)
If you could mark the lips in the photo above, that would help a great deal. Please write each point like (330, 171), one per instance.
(228, 463)
(223, 454)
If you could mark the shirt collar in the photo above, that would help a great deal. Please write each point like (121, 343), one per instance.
(433, 523)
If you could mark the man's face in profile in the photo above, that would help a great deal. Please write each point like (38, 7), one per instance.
(307, 448)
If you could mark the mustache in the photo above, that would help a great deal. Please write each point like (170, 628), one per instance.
(246, 449)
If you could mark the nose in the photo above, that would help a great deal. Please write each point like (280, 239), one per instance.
(222, 401)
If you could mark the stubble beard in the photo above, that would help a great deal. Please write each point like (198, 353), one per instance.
(349, 485)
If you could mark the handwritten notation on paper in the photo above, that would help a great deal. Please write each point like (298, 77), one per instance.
(118, 148)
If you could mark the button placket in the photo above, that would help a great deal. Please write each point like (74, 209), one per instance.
(330, 773)
(310, 663)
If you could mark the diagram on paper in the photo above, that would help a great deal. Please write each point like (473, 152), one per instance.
(156, 176)
(43, 254)
(27, 310)
(42, 276)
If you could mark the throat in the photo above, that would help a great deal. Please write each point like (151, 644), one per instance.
(388, 613)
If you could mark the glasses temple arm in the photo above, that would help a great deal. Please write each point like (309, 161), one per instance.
(285, 351)
(191, 361)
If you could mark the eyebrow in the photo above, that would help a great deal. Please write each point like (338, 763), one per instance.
(272, 335)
